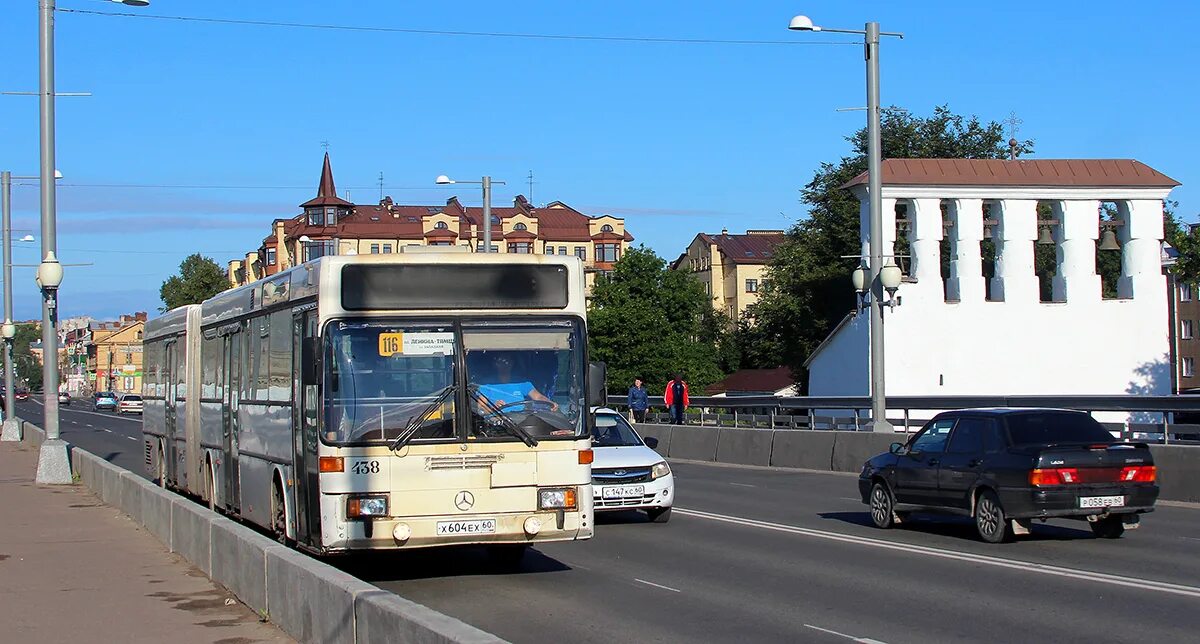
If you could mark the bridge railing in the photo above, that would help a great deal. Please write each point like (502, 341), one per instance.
(1150, 418)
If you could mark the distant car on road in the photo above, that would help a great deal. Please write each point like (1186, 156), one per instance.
(130, 404)
(104, 400)
(21, 393)
(627, 473)
(1006, 467)
(64, 398)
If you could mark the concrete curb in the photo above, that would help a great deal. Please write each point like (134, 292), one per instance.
(309, 600)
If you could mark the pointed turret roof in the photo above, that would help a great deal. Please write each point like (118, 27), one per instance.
(326, 192)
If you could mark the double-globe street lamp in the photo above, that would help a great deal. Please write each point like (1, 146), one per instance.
(875, 263)
(54, 465)
(486, 182)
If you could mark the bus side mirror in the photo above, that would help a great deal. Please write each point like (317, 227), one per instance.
(310, 371)
(597, 375)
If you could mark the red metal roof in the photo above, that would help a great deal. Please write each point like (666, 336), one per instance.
(753, 381)
(750, 248)
(1090, 173)
(326, 192)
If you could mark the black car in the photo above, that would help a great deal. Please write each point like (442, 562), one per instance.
(1006, 467)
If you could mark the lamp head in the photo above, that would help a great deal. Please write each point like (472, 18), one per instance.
(133, 3)
(304, 239)
(9, 330)
(859, 279)
(890, 275)
(443, 180)
(50, 272)
(58, 173)
(26, 238)
(802, 23)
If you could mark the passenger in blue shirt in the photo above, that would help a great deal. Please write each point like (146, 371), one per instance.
(504, 388)
(639, 401)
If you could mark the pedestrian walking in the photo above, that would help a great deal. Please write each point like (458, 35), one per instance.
(676, 397)
(638, 401)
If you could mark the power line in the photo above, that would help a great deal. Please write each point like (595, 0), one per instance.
(221, 187)
(438, 32)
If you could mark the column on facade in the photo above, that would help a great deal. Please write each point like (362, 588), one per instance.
(1141, 247)
(966, 264)
(889, 226)
(1015, 280)
(1075, 278)
(925, 244)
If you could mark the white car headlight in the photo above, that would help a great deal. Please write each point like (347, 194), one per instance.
(659, 470)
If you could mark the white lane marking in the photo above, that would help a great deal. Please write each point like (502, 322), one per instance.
(132, 438)
(91, 425)
(1192, 538)
(111, 416)
(743, 484)
(108, 430)
(650, 583)
(850, 498)
(864, 640)
(1013, 564)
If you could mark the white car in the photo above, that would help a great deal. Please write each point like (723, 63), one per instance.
(626, 473)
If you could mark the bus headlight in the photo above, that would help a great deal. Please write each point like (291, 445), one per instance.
(557, 498)
(659, 470)
(360, 507)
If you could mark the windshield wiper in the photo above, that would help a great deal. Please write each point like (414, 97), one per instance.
(415, 424)
(506, 422)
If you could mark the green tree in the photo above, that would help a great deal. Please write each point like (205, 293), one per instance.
(28, 369)
(648, 322)
(199, 278)
(1186, 241)
(807, 289)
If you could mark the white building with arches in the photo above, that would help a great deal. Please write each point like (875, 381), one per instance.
(966, 326)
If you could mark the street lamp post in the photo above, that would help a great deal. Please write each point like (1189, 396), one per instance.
(11, 428)
(875, 264)
(443, 180)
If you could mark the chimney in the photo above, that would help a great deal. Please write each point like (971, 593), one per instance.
(140, 316)
(386, 201)
(724, 231)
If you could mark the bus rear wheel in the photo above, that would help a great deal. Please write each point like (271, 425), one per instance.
(278, 513)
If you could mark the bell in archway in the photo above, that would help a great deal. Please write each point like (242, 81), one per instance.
(1044, 237)
(1108, 241)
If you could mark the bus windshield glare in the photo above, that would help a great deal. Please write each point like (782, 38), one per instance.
(386, 380)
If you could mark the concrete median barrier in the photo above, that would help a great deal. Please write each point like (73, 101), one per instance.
(660, 432)
(1178, 471)
(382, 617)
(745, 446)
(309, 600)
(851, 449)
(239, 561)
(156, 513)
(191, 533)
(131, 497)
(694, 443)
(804, 449)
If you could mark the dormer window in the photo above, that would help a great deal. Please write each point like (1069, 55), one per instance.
(606, 228)
(331, 216)
(519, 227)
(315, 216)
(441, 225)
(495, 220)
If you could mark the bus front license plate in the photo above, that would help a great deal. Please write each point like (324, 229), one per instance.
(621, 491)
(479, 526)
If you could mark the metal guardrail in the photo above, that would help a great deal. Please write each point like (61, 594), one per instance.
(801, 412)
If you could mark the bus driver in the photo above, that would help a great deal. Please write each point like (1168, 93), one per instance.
(503, 388)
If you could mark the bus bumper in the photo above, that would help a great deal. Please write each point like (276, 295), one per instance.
(527, 528)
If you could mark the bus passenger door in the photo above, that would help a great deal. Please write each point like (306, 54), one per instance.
(305, 421)
(231, 361)
(173, 381)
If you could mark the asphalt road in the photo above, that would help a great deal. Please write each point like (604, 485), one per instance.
(117, 439)
(769, 555)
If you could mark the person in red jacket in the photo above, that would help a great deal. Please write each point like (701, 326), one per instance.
(676, 397)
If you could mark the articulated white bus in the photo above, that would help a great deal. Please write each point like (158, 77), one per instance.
(383, 402)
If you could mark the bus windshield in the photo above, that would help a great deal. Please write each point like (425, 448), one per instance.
(525, 380)
(381, 377)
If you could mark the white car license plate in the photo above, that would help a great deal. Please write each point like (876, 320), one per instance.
(621, 491)
(479, 526)
(1101, 501)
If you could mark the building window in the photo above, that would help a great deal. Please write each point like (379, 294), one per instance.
(314, 217)
(374, 249)
(315, 249)
(521, 248)
(606, 228)
(581, 252)
(441, 225)
(562, 250)
(608, 253)
(519, 226)
(751, 286)
(479, 248)
(495, 220)
(387, 249)
(1185, 292)
(1189, 367)
(441, 243)
(1186, 330)
(548, 249)
(270, 257)
(331, 216)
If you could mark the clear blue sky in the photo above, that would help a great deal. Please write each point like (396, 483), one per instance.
(676, 138)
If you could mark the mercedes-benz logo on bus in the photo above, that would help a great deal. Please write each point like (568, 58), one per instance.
(464, 500)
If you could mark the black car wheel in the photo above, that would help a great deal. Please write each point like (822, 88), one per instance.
(882, 506)
(1108, 528)
(990, 520)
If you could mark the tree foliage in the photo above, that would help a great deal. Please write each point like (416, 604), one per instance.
(1186, 241)
(648, 322)
(199, 278)
(807, 290)
(28, 369)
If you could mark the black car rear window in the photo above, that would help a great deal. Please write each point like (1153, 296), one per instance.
(1056, 427)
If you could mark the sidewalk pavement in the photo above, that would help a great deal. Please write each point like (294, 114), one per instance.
(75, 570)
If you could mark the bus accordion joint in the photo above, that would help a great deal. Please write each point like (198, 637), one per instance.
(586, 456)
(331, 464)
